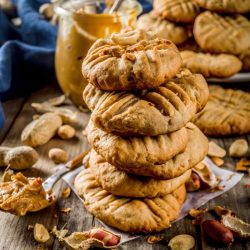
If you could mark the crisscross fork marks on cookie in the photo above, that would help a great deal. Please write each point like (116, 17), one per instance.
(177, 10)
(222, 34)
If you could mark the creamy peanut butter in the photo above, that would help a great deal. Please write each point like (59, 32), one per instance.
(22, 195)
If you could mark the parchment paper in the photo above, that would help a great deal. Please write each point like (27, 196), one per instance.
(194, 200)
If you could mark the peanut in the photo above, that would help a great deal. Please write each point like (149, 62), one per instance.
(18, 158)
(182, 242)
(41, 233)
(40, 131)
(215, 150)
(239, 148)
(66, 132)
(217, 232)
(58, 155)
(109, 239)
(194, 183)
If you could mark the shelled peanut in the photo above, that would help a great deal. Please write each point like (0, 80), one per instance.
(18, 158)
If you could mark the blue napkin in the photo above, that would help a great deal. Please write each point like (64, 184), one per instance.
(27, 53)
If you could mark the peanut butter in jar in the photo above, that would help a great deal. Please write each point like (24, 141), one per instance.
(79, 27)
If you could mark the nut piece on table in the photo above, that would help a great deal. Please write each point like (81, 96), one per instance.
(18, 158)
(40, 131)
(41, 233)
(217, 232)
(239, 148)
(238, 226)
(194, 183)
(58, 155)
(96, 237)
(66, 132)
(182, 241)
(215, 150)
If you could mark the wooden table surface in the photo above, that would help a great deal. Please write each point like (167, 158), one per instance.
(13, 230)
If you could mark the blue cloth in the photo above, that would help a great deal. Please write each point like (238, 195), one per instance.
(27, 53)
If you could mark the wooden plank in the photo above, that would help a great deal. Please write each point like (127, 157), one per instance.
(236, 199)
(11, 109)
(13, 229)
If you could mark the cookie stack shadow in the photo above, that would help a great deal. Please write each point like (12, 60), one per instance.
(143, 144)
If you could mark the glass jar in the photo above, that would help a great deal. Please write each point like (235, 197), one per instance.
(78, 30)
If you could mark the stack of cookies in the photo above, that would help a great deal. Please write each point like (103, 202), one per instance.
(143, 145)
(221, 44)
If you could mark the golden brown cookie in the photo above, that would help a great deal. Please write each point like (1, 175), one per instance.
(136, 151)
(194, 153)
(225, 6)
(222, 65)
(190, 44)
(226, 113)
(153, 112)
(131, 60)
(245, 58)
(183, 11)
(163, 28)
(222, 34)
(120, 183)
(129, 215)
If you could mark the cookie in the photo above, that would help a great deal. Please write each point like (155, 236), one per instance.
(180, 11)
(190, 44)
(153, 112)
(163, 28)
(120, 183)
(136, 151)
(222, 34)
(126, 213)
(194, 153)
(131, 60)
(245, 58)
(228, 6)
(231, 118)
(221, 65)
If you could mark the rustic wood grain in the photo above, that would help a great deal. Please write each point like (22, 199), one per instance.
(13, 230)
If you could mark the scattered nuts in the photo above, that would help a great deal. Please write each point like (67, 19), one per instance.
(96, 237)
(152, 239)
(194, 183)
(217, 161)
(67, 115)
(66, 193)
(243, 165)
(66, 132)
(195, 213)
(108, 238)
(238, 226)
(215, 150)
(222, 211)
(182, 242)
(56, 101)
(47, 10)
(58, 155)
(40, 131)
(217, 232)
(207, 177)
(7, 175)
(41, 233)
(35, 117)
(239, 148)
(18, 158)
